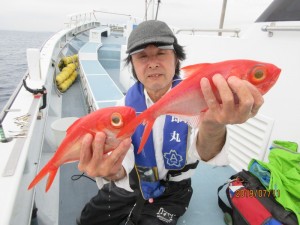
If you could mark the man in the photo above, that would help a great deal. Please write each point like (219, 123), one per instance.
(159, 177)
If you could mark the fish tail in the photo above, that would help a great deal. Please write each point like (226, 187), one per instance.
(39, 176)
(47, 169)
(51, 177)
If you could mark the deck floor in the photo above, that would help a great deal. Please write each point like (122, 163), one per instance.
(73, 194)
(203, 208)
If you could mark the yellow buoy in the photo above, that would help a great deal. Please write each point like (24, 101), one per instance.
(70, 59)
(68, 82)
(62, 76)
(68, 74)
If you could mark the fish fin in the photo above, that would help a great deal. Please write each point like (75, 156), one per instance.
(147, 131)
(191, 69)
(51, 177)
(73, 125)
(89, 131)
(46, 169)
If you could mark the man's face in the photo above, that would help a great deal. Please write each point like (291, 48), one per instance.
(155, 68)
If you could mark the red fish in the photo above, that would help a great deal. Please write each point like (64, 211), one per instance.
(108, 120)
(186, 100)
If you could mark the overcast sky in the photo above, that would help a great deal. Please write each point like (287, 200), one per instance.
(50, 15)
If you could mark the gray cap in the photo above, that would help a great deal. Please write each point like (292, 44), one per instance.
(150, 32)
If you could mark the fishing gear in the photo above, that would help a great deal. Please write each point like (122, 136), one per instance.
(37, 93)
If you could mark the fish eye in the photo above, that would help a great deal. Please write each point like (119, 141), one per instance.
(116, 120)
(257, 74)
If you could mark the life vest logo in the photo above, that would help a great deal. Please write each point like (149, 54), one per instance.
(175, 137)
(173, 159)
(165, 216)
(176, 119)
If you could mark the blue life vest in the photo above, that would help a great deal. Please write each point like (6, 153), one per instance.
(174, 145)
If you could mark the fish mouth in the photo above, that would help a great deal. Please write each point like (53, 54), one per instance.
(267, 86)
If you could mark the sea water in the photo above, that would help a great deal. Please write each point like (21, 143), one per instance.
(13, 62)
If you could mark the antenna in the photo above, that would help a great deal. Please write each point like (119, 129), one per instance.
(222, 16)
(158, 2)
(146, 9)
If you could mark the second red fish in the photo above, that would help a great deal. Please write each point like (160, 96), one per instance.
(186, 100)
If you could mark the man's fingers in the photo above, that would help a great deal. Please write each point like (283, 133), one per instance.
(115, 158)
(244, 95)
(98, 147)
(95, 162)
(208, 94)
(225, 93)
(85, 152)
(119, 153)
(257, 97)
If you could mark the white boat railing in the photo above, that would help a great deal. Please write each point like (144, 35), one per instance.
(271, 28)
(10, 101)
(193, 31)
(77, 19)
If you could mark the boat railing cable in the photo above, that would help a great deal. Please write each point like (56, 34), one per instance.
(114, 27)
(272, 27)
(119, 14)
(193, 31)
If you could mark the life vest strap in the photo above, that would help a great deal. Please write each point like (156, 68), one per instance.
(175, 173)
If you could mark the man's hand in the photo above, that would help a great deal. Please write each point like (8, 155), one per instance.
(96, 164)
(240, 101)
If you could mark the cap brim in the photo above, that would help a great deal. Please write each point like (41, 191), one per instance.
(153, 40)
(164, 46)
